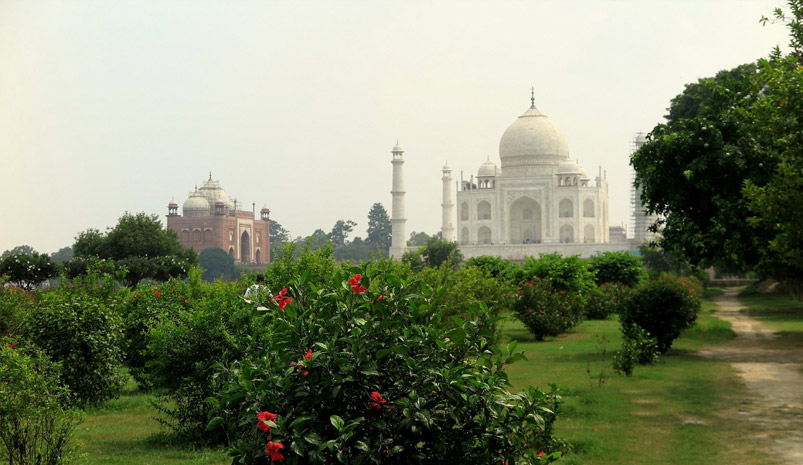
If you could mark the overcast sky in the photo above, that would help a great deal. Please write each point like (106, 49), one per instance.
(115, 106)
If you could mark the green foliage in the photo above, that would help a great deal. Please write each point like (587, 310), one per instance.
(139, 244)
(82, 333)
(278, 238)
(35, 427)
(545, 310)
(419, 239)
(437, 251)
(183, 351)
(62, 255)
(413, 259)
(638, 347)
(618, 267)
(379, 228)
(20, 249)
(27, 270)
(497, 267)
(14, 304)
(355, 378)
(218, 264)
(318, 264)
(663, 307)
(570, 274)
(340, 232)
(605, 301)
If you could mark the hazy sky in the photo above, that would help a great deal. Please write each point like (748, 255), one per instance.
(114, 106)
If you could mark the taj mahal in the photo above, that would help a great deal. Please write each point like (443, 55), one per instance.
(537, 200)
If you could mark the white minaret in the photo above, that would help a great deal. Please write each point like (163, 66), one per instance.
(398, 219)
(447, 228)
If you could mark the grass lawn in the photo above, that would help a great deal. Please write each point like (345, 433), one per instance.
(675, 412)
(678, 411)
(124, 432)
(778, 312)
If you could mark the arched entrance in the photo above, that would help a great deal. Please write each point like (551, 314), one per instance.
(259, 257)
(245, 247)
(525, 221)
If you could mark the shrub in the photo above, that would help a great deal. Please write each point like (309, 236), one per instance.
(569, 274)
(35, 427)
(14, 303)
(83, 334)
(618, 267)
(359, 374)
(497, 267)
(605, 301)
(546, 311)
(319, 266)
(638, 347)
(663, 307)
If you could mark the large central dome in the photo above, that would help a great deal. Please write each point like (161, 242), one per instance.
(533, 139)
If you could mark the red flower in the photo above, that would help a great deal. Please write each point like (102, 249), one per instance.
(137, 296)
(541, 454)
(308, 355)
(185, 301)
(13, 346)
(378, 400)
(380, 297)
(281, 299)
(355, 284)
(158, 294)
(304, 373)
(263, 417)
(272, 451)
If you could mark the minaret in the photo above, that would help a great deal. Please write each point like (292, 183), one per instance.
(398, 219)
(447, 228)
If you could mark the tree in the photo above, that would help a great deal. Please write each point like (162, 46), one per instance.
(618, 267)
(418, 238)
(140, 244)
(20, 249)
(318, 239)
(28, 270)
(340, 232)
(437, 252)
(217, 264)
(278, 238)
(62, 255)
(379, 227)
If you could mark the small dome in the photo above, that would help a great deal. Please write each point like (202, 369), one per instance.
(533, 139)
(570, 167)
(584, 174)
(487, 169)
(172, 204)
(397, 148)
(196, 205)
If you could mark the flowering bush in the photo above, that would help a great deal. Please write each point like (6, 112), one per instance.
(663, 307)
(14, 303)
(605, 301)
(35, 427)
(367, 372)
(618, 267)
(546, 311)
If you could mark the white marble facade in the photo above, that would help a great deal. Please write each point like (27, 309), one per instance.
(538, 201)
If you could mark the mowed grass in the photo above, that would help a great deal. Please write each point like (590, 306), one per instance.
(681, 410)
(124, 431)
(780, 313)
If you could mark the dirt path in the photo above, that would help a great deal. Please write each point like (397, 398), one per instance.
(773, 377)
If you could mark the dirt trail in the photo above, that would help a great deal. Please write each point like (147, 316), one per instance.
(773, 377)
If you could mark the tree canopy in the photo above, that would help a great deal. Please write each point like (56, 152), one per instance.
(26, 270)
(725, 170)
(379, 227)
(140, 244)
(217, 264)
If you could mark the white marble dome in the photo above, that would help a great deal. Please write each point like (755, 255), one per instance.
(533, 139)
(196, 205)
(570, 167)
(487, 169)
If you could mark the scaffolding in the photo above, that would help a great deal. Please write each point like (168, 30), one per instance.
(639, 229)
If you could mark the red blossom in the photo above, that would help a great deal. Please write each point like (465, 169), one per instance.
(137, 296)
(264, 417)
(378, 400)
(308, 355)
(13, 346)
(355, 284)
(281, 299)
(304, 373)
(272, 450)
(158, 294)
(541, 454)
(185, 301)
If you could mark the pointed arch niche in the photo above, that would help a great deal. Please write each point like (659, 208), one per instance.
(525, 221)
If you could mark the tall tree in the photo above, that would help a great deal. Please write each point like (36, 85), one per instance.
(26, 270)
(279, 236)
(139, 243)
(379, 227)
(340, 232)
(20, 249)
(217, 264)
(62, 255)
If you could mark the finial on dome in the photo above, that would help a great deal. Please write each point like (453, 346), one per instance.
(532, 97)
(210, 175)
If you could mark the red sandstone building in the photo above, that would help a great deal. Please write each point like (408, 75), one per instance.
(210, 219)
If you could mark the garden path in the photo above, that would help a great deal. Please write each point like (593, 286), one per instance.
(773, 376)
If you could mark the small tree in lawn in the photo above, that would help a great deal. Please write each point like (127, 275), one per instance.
(26, 271)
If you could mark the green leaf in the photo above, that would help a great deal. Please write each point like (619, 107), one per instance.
(214, 423)
(337, 422)
(382, 353)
